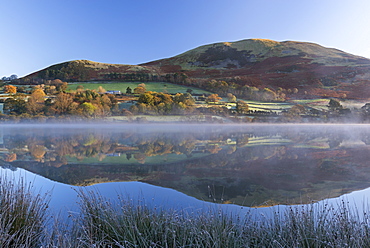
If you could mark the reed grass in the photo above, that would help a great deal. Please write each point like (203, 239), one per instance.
(124, 223)
(23, 214)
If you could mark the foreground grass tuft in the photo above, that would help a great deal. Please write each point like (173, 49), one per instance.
(123, 223)
(22, 215)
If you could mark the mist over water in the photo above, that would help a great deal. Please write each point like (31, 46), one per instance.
(190, 164)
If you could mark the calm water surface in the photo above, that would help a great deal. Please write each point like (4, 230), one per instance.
(192, 166)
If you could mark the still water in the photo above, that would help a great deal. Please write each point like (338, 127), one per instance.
(192, 166)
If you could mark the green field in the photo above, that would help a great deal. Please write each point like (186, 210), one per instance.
(268, 106)
(320, 104)
(150, 86)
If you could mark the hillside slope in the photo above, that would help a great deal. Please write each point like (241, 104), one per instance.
(314, 70)
(265, 63)
(86, 70)
(241, 53)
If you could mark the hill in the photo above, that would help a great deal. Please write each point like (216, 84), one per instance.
(86, 70)
(311, 69)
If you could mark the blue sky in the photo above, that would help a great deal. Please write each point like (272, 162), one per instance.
(36, 34)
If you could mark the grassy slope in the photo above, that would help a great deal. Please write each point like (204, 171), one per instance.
(150, 86)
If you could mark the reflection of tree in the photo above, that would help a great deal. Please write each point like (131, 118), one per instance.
(140, 157)
(231, 149)
(90, 140)
(213, 148)
(186, 147)
(242, 140)
(161, 145)
(10, 157)
(15, 141)
(55, 149)
(64, 147)
(37, 151)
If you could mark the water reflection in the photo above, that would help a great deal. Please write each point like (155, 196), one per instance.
(253, 165)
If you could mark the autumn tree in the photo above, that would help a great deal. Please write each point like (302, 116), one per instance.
(242, 107)
(87, 108)
(146, 98)
(250, 92)
(268, 95)
(62, 104)
(79, 88)
(186, 98)
(294, 113)
(36, 101)
(231, 97)
(155, 102)
(50, 89)
(105, 105)
(10, 89)
(38, 94)
(162, 103)
(59, 84)
(86, 96)
(15, 106)
(213, 98)
(297, 109)
(101, 90)
(139, 90)
(334, 105)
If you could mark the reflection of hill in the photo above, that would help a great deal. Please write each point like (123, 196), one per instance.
(250, 175)
(252, 168)
(277, 174)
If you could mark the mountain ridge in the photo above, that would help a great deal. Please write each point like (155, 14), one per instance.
(310, 67)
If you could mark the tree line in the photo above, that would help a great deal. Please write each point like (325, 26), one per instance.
(163, 104)
(83, 103)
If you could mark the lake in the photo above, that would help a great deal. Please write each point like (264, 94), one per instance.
(191, 166)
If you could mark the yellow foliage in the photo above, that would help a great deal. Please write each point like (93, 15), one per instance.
(10, 89)
(38, 95)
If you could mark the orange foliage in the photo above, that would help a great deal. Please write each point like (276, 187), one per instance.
(10, 89)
